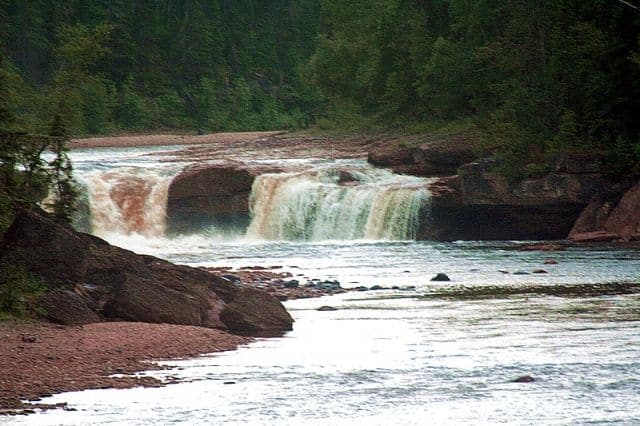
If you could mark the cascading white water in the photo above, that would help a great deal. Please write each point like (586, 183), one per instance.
(334, 204)
(127, 201)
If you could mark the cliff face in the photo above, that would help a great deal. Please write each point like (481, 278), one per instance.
(480, 204)
(577, 198)
(89, 280)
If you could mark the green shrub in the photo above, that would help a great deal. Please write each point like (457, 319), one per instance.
(19, 291)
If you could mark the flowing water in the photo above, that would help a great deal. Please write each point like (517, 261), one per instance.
(444, 353)
(314, 205)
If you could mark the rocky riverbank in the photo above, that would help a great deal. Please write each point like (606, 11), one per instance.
(576, 197)
(87, 280)
(39, 359)
(114, 310)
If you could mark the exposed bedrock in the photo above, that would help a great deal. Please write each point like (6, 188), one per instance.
(426, 155)
(480, 204)
(215, 193)
(88, 280)
(611, 216)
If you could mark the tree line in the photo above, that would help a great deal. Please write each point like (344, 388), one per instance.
(158, 64)
(535, 77)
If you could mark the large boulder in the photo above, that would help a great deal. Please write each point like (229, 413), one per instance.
(67, 307)
(481, 204)
(88, 279)
(215, 193)
(240, 315)
(614, 216)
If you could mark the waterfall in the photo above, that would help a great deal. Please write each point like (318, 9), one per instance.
(337, 204)
(127, 200)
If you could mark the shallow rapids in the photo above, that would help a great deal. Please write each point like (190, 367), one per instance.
(127, 201)
(331, 203)
(444, 353)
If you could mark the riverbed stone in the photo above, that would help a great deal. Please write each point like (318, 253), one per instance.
(441, 277)
(326, 308)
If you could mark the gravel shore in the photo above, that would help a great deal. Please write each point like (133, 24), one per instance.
(39, 359)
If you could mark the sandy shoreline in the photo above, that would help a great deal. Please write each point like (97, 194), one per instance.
(169, 139)
(39, 359)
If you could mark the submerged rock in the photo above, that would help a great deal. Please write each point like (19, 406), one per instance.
(441, 277)
(326, 308)
(524, 379)
(90, 280)
(550, 262)
(543, 247)
(291, 284)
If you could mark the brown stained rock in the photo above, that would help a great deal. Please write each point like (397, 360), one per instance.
(241, 317)
(481, 204)
(482, 186)
(426, 154)
(625, 218)
(614, 216)
(443, 156)
(67, 307)
(119, 284)
(212, 194)
(395, 154)
(594, 237)
(593, 217)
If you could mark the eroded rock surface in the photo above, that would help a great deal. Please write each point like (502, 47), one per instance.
(426, 155)
(215, 193)
(610, 218)
(481, 204)
(85, 275)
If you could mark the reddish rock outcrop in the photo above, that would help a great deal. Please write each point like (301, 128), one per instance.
(212, 194)
(426, 155)
(444, 156)
(480, 204)
(114, 283)
(610, 218)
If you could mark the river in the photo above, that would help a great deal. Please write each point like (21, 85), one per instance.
(423, 353)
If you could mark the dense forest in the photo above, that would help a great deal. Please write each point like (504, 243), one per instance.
(535, 77)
